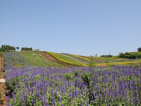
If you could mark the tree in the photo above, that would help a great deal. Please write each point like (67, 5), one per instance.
(17, 48)
(139, 49)
(7, 48)
(26, 49)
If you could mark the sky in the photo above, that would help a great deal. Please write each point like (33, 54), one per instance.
(82, 27)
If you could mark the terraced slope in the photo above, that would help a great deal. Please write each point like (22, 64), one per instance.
(77, 57)
(88, 58)
(73, 58)
(34, 58)
(51, 58)
(67, 59)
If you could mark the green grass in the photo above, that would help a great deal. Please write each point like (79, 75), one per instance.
(72, 59)
(36, 59)
(1, 53)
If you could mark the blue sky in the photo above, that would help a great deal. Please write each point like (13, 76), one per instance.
(83, 27)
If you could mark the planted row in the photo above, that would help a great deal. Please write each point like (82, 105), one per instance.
(56, 56)
(79, 58)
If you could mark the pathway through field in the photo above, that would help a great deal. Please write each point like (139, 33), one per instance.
(2, 82)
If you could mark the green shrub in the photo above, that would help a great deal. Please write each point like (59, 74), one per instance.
(76, 72)
(87, 77)
(68, 76)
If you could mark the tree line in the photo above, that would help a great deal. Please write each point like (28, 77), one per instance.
(131, 55)
(8, 48)
(26, 48)
(5, 48)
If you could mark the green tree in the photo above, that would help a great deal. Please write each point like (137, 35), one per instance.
(17, 48)
(139, 49)
(8, 48)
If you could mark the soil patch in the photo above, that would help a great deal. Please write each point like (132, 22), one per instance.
(3, 90)
(2, 84)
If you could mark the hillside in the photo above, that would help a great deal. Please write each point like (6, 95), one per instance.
(34, 58)
(51, 59)
(33, 74)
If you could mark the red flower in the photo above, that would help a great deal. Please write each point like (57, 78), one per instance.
(2, 101)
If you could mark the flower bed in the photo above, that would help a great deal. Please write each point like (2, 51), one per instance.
(34, 86)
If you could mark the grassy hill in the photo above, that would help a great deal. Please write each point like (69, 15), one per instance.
(51, 59)
(34, 58)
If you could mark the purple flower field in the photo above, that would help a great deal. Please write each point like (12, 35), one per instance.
(78, 86)
(75, 86)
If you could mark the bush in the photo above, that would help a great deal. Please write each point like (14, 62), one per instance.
(68, 76)
(86, 77)
(76, 72)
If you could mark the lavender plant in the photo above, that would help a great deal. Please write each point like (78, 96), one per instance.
(46, 86)
(14, 59)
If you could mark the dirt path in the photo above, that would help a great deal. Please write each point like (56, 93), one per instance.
(51, 58)
(2, 83)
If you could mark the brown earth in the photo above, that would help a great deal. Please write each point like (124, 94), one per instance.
(2, 84)
(3, 90)
(51, 58)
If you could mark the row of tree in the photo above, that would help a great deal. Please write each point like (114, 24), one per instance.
(127, 55)
(8, 48)
(5, 48)
(26, 48)
(131, 55)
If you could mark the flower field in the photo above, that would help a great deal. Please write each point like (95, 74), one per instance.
(78, 86)
(41, 86)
